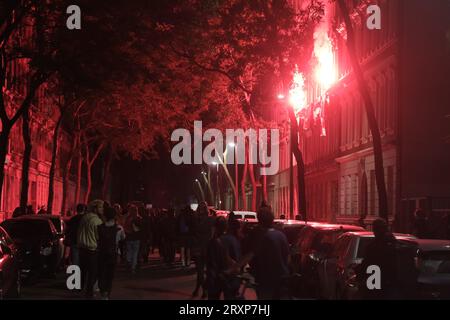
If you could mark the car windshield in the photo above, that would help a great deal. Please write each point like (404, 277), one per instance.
(434, 262)
(363, 243)
(27, 228)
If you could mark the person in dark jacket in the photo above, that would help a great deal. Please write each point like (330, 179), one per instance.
(381, 252)
(202, 230)
(184, 226)
(216, 261)
(70, 239)
(109, 235)
(18, 212)
(132, 229)
(267, 251)
(168, 237)
(232, 243)
(146, 235)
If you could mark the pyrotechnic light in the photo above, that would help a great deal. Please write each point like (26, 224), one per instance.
(325, 71)
(297, 94)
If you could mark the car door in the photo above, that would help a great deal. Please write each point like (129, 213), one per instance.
(333, 265)
(7, 263)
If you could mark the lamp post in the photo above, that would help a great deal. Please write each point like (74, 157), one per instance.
(236, 177)
(214, 163)
(208, 184)
(196, 182)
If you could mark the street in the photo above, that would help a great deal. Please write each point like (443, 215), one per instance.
(155, 281)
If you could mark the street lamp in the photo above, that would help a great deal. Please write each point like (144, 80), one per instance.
(216, 164)
(206, 177)
(200, 188)
(236, 176)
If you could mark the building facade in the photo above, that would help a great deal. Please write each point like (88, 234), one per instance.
(406, 66)
(43, 116)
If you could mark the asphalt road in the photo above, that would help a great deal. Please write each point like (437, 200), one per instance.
(154, 281)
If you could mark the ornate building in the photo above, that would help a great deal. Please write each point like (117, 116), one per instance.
(406, 64)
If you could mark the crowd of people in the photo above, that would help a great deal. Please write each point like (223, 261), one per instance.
(100, 235)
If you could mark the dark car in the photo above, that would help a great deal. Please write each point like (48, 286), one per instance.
(314, 244)
(9, 267)
(59, 225)
(38, 243)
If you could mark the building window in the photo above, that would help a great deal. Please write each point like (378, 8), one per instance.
(354, 190)
(373, 194)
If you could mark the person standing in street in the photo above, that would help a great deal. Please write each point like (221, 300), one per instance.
(216, 261)
(184, 224)
(109, 236)
(146, 235)
(380, 252)
(268, 254)
(133, 237)
(88, 244)
(168, 237)
(70, 239)
(202, 231)
(231, 241)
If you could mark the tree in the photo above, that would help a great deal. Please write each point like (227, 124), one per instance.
(35, 61)
(243, 41)
(370, 112)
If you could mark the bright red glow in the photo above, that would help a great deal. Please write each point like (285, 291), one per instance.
(325, 71)
(297, 94)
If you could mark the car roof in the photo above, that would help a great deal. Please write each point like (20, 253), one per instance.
(289, 222)
(433, 244)
(21, 219)
(39, 216)
(369, 234)
(245, 212)
(330, 227)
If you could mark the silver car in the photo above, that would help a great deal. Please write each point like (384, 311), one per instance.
(433, 263)
(337, 275)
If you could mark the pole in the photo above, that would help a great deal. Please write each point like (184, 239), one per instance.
(236, 181)
(291, 180)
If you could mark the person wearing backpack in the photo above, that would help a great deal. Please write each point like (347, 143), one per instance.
(109, 234)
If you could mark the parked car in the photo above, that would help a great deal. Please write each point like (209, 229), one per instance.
(38, 243)
(58, 223)
(245, 215)
(219, 213)
(314, 244)
(9, 267)
(433, 263)
(336, 272)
